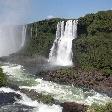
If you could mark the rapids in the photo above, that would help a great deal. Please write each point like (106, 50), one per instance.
(17, 75)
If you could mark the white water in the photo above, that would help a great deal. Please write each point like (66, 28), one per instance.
(16, 72)
(59, 92)
(23, 35)
(61, 51)
(38, 107)
(12, 39)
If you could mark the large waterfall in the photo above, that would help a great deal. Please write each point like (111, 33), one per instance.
(12, 38)
(61, 51)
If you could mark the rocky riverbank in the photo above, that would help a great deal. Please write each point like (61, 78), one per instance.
(81, 78)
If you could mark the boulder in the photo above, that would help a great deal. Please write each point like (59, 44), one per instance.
(73, 107)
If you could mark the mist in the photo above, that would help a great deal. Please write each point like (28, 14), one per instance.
(12, 13)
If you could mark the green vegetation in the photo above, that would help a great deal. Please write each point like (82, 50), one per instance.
(100, 108)
(93, 48)
(47, 99)
(2, 78)
(41, 36)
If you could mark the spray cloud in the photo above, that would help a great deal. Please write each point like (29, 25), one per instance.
(12, 12)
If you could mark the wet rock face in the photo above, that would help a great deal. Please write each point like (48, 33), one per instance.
(73, 107)
(8, 98)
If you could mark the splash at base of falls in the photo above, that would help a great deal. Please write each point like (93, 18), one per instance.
(62, 93)
(61, 51)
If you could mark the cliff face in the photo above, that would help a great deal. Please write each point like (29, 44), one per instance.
(40, 37)
(91, 49)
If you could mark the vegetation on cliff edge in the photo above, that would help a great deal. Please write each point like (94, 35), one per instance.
(2, 78)
(92, 48)
(41, 36)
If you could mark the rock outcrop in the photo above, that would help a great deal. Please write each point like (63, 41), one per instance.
(81, 78)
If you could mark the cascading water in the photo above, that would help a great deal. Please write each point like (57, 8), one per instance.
(12, 38)
(61, 51)
(61, 93)
(23, 35)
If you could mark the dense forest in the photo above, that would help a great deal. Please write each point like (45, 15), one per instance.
(40, 37)
(92, 48)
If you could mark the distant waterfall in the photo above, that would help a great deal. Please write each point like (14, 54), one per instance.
(23, 35)
(12, 39)
(61, 51)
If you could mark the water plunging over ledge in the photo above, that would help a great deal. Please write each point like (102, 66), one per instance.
(12, 39)
(61, 51)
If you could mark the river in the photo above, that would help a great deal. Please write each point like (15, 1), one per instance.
(17, 75)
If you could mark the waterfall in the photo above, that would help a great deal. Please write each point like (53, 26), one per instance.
(12, 39)
(23, 35)
(61, 51)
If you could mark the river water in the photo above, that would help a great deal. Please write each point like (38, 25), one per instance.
(18, 76)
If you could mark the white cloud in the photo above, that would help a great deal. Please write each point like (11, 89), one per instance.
(50, 16)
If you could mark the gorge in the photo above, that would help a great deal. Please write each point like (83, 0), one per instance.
(81, 49)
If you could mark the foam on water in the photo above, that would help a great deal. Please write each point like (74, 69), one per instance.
(25, 100)
(65, 93)
(16, 73)
(60, 92)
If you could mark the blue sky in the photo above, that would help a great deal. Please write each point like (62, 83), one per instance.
(42, 9)
(67, 8)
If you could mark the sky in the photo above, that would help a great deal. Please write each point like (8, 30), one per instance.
(35, 10)
(68, 8)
